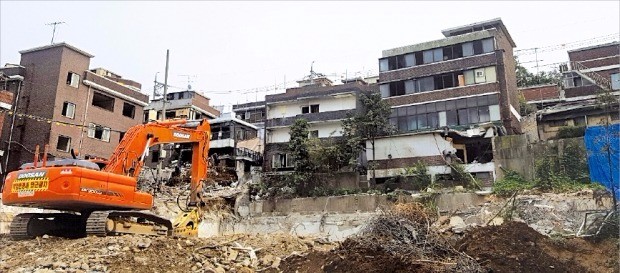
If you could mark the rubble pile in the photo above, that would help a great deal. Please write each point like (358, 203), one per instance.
(241, 253)
(548, 213)
(399, 240)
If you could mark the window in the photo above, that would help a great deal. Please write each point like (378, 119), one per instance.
(383, 65)
(557, 123)
(384, 89)
(468, 49)
(410, 86)
(579, 121)
(434, 55)
(103, 101)
(73, 80)
(99, 132)
(314, 108)
(63, 144)
(68, 109)
(426, 84)
(310, 109)
(282, 161)
(409, 60)
(615, 81)
(314, 134)
(487, 45)
(120, 138)
(129, 110)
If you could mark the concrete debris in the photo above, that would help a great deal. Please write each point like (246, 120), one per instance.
(141, 254)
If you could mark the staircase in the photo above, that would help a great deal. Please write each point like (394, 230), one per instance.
(591, 76)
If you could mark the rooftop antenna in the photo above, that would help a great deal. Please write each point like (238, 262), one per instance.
(189, 81)
(54, 24)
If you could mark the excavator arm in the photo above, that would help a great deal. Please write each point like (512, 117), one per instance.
(128, 158)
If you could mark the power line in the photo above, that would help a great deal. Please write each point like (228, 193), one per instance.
(565, 46)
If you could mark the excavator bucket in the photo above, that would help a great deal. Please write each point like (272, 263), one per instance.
(186, 224)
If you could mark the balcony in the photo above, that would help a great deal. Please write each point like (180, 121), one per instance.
(311, 117)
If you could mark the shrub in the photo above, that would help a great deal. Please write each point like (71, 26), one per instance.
(571, 131)
(511, 182)
(418, 176)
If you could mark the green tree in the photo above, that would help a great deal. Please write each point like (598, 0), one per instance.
(526, 78)
(298, 146)
(368, 124)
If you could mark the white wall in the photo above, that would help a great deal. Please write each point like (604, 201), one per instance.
(408, 146)
(325, 130)
(278, 135)
(326, 104)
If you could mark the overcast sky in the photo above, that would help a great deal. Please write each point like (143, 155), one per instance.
(232, 46)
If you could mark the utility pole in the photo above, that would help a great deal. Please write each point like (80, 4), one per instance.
(163, 114)
(54, 24)
(536, 52)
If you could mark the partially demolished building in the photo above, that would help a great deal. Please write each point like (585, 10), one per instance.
(588, 94)
(449, 98)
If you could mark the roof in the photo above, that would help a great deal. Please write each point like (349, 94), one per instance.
(63, 44)
(488, 23)
(595, 46)
(233, 119)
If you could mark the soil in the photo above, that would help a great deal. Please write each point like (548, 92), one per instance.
(515, 247)
(511, 247)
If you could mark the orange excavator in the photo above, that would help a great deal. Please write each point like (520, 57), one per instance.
(105, 201)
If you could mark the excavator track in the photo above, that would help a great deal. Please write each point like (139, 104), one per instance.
(96, 223)
(104, 223)
(30, 225)
(19, 226)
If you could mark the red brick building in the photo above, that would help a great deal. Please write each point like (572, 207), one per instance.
(449, 97)
(592, 70)
(66, 105)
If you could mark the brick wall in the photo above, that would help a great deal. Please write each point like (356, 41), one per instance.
(581, 91)
(444, 94)
(543, 92)
(594, 53)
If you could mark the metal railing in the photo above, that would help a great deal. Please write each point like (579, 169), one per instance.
(599, 80)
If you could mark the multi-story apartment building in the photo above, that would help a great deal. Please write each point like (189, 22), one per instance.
(64, 104)
(322, 104)
(448, 97)
(184, 104)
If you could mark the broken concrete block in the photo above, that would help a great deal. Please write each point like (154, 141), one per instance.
(233, 255)
(457, 224)
(496, 221)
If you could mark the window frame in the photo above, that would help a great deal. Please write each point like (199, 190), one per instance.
(65, 105)
(105, 132)
(73, 79)
(68, 143)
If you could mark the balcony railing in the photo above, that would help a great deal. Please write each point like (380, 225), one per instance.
(310, 117)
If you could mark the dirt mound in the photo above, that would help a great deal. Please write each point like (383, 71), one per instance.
(515, 247)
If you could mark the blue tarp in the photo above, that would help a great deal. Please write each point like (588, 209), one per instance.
(603, 146)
